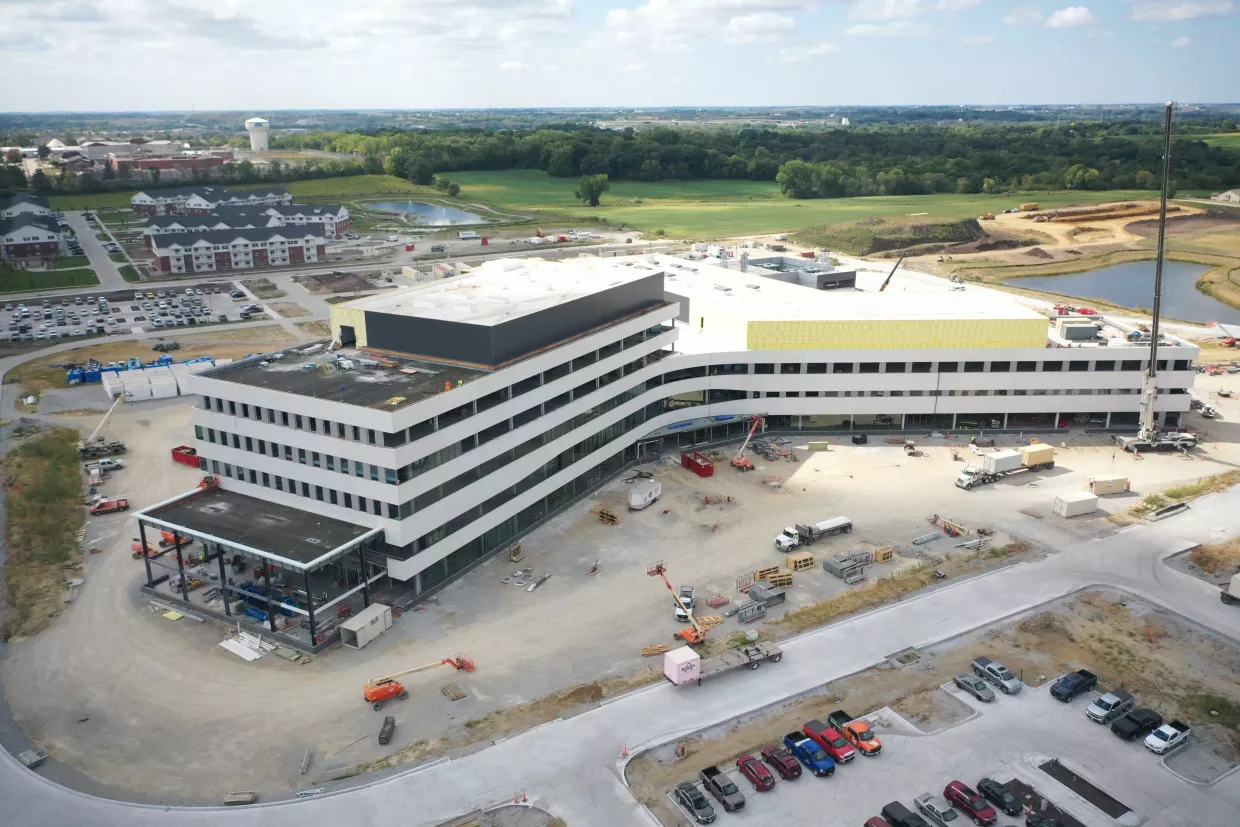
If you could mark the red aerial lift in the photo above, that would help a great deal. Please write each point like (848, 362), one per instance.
(384, 689)
(740, 461)
(694, 634)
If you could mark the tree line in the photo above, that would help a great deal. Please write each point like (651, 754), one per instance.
(873, 160)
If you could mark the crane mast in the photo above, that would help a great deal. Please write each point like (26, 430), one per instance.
(1149, 386)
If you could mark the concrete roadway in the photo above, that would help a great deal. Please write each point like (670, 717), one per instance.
(105, 268)
(572, 767)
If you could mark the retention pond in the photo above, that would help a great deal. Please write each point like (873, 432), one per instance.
(1132, 285)
(429, 215)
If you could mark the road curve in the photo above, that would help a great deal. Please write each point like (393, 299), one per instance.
(573, 767)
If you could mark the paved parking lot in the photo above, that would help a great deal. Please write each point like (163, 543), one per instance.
(1005, 739)
(99, 313)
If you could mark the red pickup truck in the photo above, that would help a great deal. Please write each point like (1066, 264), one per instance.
(831, 741)
(757, 773)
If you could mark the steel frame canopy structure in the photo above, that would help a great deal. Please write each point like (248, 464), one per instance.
(275, 534)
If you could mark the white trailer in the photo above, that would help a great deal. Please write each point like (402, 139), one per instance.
(683, 665)
(644, 493)
(366, 625)
(799, 535)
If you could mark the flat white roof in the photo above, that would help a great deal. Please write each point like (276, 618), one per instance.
(504, 289)
(754, 297)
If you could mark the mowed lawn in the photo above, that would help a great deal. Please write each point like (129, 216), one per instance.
(1226, 140)
(319, 189)
(719, 209)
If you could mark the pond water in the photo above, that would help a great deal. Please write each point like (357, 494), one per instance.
(1132, 285)
(428, 215)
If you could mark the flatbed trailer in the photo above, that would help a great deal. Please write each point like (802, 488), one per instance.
(683, 665)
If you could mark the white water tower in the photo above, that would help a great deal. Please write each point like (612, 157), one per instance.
(258, 129)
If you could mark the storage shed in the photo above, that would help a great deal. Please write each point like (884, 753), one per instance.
(366, 625)
(1108, 484)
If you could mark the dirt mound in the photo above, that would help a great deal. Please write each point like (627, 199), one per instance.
(584, 694)
(870, 236)
(1038, 252)
(1189, 224)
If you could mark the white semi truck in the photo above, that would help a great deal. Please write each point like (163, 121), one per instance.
(1036, 457)
(805, 535)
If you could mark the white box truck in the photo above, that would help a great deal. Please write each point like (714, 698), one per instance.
(644, 493)
(1074, 505)
(467, 235)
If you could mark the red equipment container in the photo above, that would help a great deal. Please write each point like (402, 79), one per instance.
(698, 463)
(185, 455)
(409, 248)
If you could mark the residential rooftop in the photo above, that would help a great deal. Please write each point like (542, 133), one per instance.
(312, 371)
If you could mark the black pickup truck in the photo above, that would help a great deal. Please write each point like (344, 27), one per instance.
(1137, 724)
(1073, 684)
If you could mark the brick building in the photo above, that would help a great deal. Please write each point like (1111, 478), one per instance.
(201, 251)
(28, 236)
(205, 200)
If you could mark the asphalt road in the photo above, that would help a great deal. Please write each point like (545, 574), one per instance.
(105, 268)
(573, 767)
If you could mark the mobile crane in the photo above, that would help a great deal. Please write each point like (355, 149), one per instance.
(740, 461)
(88, 449)
(384, 689)
(1149, 438)
(694, 633)
(887, 280)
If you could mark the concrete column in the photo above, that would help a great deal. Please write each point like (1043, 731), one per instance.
(1108, 425)
(150, 581)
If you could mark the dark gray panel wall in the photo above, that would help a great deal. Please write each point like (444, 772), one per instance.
(683, 315)
(433, 338)
(495, 345)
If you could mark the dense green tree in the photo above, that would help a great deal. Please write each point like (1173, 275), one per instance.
(591, 188)
(454, 189)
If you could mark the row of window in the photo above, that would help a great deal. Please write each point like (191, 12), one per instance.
(1031, 366)
(304, 489)
(299, 455)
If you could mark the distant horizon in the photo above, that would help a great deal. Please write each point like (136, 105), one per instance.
(101, 56)
(773, 108)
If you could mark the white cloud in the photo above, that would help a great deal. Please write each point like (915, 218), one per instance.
(1023, 16)
(1182, 42)
(958, 5)
(1162, 10)
(1070, 17)
(888, 9)
(513, 66)
(981, 40)
(799, 55)
(763, 25)
(896, 28)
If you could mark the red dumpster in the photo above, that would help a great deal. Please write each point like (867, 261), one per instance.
(185, 455)
(698, 463)
(409, 248)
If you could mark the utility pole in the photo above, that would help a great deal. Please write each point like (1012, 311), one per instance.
(1149, 390)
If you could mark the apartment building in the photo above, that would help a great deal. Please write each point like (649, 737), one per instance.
(332, 220)
(205, 251)
(455, 416)
(24, 204)
(30, 236)
(205, 200)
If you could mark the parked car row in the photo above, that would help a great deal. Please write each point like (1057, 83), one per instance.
(1119, 709)
(817, 747)
(981, 805)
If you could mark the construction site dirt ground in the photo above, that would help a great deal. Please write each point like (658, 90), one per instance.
(137, 693)
(1181, 670)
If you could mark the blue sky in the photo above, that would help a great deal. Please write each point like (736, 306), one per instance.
(295, 54)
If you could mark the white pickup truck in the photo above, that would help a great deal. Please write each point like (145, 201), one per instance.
(106, 464)
(1167, 737)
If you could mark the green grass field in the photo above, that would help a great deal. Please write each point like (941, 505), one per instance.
(70, 262)
(719, 209)
(17, 281)
(1226, 140)
(128, 273)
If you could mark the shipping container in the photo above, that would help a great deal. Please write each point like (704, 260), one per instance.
(1037, 455)
(1001, 461)
(1074, 505)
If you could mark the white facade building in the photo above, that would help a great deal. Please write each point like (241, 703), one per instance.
(502, 396)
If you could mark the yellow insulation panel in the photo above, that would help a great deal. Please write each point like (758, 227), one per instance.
(355, 317)
(861, 334)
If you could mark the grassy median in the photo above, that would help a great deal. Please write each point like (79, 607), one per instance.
(44, 512)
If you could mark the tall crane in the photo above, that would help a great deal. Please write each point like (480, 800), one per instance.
(693, 635)
(387, 687)
(1149, 387)
(741, 461)
(887, 280)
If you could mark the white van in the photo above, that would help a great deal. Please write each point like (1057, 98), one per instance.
(393, 238)
(467, 235)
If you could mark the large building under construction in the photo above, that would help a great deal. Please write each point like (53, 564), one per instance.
(448, 419)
